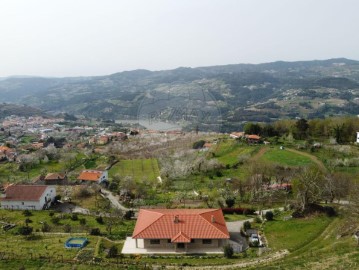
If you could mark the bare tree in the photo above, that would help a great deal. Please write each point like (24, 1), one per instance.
(308, 186)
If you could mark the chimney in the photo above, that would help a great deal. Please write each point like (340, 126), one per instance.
(213, 220)
(176, 219)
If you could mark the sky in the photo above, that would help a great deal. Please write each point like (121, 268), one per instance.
(61, 38)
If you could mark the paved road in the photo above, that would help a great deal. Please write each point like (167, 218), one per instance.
(114, 201)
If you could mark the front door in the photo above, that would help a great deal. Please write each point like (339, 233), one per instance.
(180, 245)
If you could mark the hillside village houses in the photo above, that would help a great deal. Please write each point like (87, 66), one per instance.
(27, 197)
(93, 176)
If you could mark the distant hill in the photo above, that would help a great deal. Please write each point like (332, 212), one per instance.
(243, 92)
(19, 110)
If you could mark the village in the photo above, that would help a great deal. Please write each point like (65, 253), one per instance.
(102, 193)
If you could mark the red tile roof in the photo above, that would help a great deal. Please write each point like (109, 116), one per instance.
(5, 149)
(24, 192)
(90, 175)
(180, 225)
(55, 176)
(253, 137)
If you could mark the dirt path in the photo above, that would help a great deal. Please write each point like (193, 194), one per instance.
(313, 158)
(250, 263)
(260, 153)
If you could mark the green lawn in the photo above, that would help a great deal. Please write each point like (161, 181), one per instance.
(294, 233)
(229, 151)
(285, 157)
(317, 245)
(139, 169)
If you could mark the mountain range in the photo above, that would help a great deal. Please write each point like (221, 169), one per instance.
(239, 93)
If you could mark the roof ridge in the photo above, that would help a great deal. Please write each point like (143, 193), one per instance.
(215, 210)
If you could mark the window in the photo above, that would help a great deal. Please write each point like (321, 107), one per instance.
(22, 203)
(207, 241)
(155, 241)
(168, 241)
(192, 240)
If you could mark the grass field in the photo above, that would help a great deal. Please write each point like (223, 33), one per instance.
(138, 169)
(229, 151)
(294, 233)
(321, 250)
(285, 157)
(119, 230)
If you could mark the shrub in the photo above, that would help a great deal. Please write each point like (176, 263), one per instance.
(27, 221)
(228, 251)
(25, 230)
(257, 219)
(45, 227)
(95, 231)
(57, 198)
(199, 144)
(269, 215)
(82, 221)
(67, 228)
(55, 220)
(74, 217)
(99, 220)
(27, 213)
(239, 211)
(112, 253)
(129, 214)
(246, 225)
(51, 214)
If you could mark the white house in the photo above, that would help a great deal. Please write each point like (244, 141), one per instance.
(93, 176)
(31, 197)
(357, 137)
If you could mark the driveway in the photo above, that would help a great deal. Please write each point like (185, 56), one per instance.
(114, 201)
(236, 240)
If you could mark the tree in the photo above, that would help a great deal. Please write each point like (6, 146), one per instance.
(301, 127)
(251, 128)
(246, 225)
(199, 144)
(269, 215)
(308, 186)
(230, 201)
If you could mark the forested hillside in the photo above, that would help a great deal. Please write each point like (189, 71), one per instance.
(243, 92)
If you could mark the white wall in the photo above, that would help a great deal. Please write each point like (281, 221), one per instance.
(49, 194)
(104, 177)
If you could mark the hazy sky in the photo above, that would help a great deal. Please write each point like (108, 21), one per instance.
(98, 37)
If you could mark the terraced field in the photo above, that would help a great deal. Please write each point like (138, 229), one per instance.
(138, 169)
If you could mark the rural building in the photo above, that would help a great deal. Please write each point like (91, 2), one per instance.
(178, 230)
(236, 135)
(93, 176)
(31, 197)
(55, 179)
(253, 138)
(357, 137)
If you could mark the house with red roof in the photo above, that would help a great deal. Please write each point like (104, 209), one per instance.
(252, 138)
(178, 230)
(55, 179)
(93, 176)
(31, 197)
